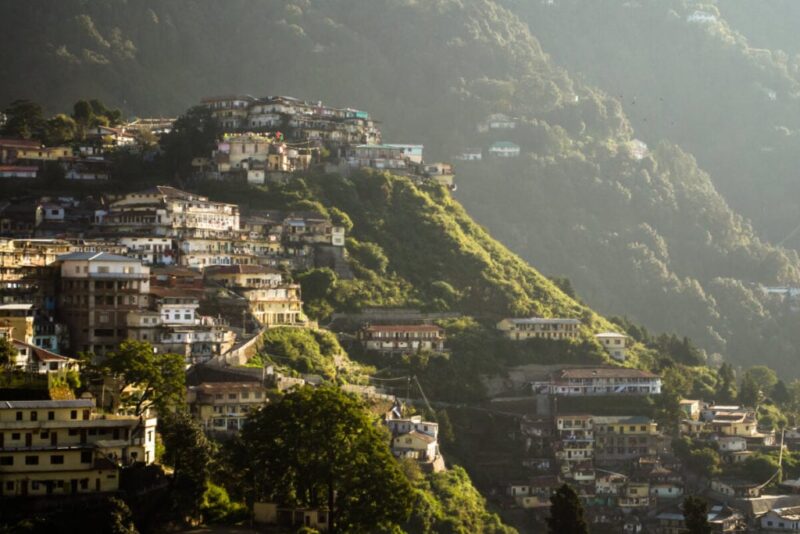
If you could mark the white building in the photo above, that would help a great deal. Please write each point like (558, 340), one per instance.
(504, 149)
(605, 381)
(781, 520)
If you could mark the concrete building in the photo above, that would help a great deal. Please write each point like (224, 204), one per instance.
(402, 338)
(96, 293)
(605, 381)
(625, 438)
(614, 344)
(537, 327)
(63, 448)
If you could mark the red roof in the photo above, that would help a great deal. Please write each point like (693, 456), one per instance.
(240, 269)
(17, 168)
(20, 143)
(606, 372)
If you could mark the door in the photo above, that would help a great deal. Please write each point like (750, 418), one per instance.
(53, 438)
(83, 436)
(28, 440)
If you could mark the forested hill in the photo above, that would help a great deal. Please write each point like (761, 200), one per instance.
(650, 237)
(708, 76)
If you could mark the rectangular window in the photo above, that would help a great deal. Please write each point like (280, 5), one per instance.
(19, 416)
(15, 436)
(57, 459)
(31, 460)
(51, 416)
(73, 414)
(86, 457)
(6, 460)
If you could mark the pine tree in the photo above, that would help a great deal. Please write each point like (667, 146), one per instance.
(695, 516)
(566, 513)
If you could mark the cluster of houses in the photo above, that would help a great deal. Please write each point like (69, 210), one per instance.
(87, 160)
(495, 124)
(267, 139)
(624, 468)
(172, 268)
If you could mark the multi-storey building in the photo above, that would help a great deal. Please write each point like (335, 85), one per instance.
(604, 381)
(166, 211)
(63, 448)
(270, 301)
(575, 438)
(614, 344)
(96, 293)
(537, 327)
(402, 338)
(624, 438)
(224, 406)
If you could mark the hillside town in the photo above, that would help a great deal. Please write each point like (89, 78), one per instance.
(85, 277)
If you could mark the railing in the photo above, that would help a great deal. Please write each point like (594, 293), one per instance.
(129, 276)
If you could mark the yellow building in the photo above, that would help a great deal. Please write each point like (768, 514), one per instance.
(62, 447)
(538, 327)
(53, 153)
(224, 406)
(624, 438)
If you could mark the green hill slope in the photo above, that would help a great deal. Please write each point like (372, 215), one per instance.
(649, 238)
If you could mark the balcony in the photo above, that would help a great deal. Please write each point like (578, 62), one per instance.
(121, 276)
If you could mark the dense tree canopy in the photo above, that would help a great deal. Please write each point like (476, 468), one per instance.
(319, 448)
(145, 379)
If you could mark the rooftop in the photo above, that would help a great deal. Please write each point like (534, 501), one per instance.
(95, 256)
(34, 404)
(542, 320)
(606, 372)
(240, 269)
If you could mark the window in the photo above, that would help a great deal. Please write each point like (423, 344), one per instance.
(56, 459)
(231, 396)
(44, 435)
(31, 460)
(15, 436)
(10, 485)
(73, 414)
(84, 483)
(6, 460)
(19, 416)
(86, 457)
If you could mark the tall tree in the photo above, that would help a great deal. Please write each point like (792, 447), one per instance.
(59, 130)
(194, 134)
(726, 383)
(155, 380)
(695, 516)
(749, 391)
(189, 453)
(7, 352)
(320, 448)
(566, 513)
(25, 119)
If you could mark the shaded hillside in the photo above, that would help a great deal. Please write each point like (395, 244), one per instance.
(770, 24)
(649, 238)
(684, 74)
